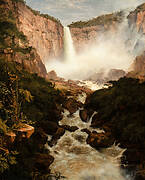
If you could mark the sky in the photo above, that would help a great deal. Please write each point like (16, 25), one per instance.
(68, 11)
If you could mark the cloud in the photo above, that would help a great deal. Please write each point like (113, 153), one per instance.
(72, 10)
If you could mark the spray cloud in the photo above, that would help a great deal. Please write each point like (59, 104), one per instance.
(110, 51)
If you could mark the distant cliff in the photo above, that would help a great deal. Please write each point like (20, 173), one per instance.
(28, 37)
(136, 20)
(84, 32)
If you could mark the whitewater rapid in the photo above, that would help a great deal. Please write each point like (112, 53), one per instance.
(76, 160)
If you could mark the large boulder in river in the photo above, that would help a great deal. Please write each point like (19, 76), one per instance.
(99, 140)
(49, 127)
(72, 105)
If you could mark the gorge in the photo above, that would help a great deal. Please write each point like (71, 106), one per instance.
(52, 124)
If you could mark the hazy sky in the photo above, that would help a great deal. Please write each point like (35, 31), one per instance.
(73, 10)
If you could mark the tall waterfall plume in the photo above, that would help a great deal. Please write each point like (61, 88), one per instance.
(69, 51)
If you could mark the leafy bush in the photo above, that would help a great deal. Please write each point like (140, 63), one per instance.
(122, 105)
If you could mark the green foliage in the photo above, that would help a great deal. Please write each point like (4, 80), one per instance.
(6, 160)
(37, 13)
(3, 127)
(122, 105)
(101, 20)
(8, 29)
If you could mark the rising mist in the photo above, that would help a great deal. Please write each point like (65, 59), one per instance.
(111, 50)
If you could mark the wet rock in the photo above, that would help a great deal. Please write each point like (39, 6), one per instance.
(49, 127)
(39, 139)
(43, 161)
(85, 114)
(96, 121)
(60, 132)
(99, 140)
(70, 128)
(86, 131)
(72, 105)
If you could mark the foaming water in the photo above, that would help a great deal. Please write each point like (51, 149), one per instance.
(76, 160)
(108, 51)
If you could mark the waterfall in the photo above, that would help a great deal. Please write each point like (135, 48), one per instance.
(69, 52)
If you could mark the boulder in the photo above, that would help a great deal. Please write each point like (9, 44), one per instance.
(86, 131)
(60, 132)
(52, 75)
(99, 140)
(85, 114)
(70, 128)
(72, 105)
(49, 127)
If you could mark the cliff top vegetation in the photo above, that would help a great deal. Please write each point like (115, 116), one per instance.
(100, 20)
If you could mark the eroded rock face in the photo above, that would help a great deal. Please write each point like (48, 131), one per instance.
(138, 68)
(137, 18)
(84, 33)
(44, 34)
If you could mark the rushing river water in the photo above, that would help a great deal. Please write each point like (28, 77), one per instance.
(76, 160)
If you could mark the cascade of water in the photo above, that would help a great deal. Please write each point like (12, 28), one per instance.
(76, 160)
(69, 51)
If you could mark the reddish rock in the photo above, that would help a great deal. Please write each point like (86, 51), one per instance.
(138, 68)
(71, 105)
(90, 32)
(44, 34)
(52, 75)
(10, 137)
(99, 140)
(25, 131)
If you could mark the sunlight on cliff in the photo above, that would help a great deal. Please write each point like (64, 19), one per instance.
(110, 50)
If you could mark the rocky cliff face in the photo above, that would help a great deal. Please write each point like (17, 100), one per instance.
(44, 33)
(85, 32)
(28, 37)
(137, 18)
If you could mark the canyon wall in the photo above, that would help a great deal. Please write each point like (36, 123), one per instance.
(86, 32)
(136, 20)
(44, 33)
(28, 37)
